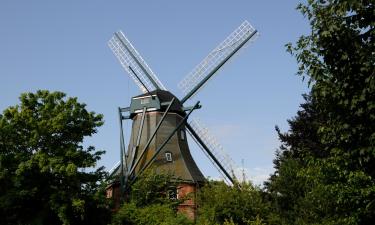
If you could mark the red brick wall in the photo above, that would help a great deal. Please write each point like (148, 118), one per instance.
(185, 191)
(187, 207)
(113, 192)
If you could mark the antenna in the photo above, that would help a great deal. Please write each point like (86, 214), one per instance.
(133, 63)
(243, 170)
(216, 59)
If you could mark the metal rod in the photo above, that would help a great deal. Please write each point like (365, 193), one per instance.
(191, 93)
(141, 127)
(138, 63)
(152, 136)
(213, 163)
(182, 122)
(196, 136)
(135, 148)
(123, 173)
(131, 69)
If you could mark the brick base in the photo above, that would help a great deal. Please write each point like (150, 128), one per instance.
(186, 191)
(188, 207)
(113, 192)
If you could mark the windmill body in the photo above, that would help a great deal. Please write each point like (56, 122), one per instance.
(175, 157)
(160, 121)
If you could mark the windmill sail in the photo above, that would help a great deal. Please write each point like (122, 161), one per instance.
(134, 64)
(224, 160)
(216, 59)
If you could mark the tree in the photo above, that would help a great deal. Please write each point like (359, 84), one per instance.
(219, 203)
(286, 187)
(43, 177)
(337, 58)
(151, 214)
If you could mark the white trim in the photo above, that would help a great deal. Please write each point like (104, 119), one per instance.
(168, 156)
(147, 96)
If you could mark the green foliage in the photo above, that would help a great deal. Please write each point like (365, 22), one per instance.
(219, 203)
(338, 58)
(42, 162)
(152, 214)
(338, 195)
(148, 202)
(288, 186)
(326, 168)
(152, 188)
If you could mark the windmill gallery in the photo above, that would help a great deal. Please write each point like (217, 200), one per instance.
(160, 122)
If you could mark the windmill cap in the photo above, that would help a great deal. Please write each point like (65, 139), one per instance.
(157, 100)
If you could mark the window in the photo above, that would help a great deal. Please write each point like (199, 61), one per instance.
(172, 193)
(168, 156)
(109, 192)
(145, 100)
(182, 135)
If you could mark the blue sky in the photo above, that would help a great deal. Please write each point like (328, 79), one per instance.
(62, 46)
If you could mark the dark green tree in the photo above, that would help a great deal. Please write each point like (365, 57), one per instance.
(338, 59)
(337, 185)
(287, 187)
(46, 175)
(219, 203)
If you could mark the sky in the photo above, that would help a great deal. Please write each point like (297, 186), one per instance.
(62, 46)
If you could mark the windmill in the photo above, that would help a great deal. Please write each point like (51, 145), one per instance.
(160, 119)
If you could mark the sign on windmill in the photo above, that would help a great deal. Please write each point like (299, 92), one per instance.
(160, 119)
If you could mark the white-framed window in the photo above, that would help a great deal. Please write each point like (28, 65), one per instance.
(168, 156)
(182, 135)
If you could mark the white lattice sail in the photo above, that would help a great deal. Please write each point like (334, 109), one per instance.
(240, 37)
(130, 60)
(215, 147)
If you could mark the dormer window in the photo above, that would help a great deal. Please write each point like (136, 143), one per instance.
(168, 156)
(145, 101)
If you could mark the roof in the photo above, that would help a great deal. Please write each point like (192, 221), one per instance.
(165, 97)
